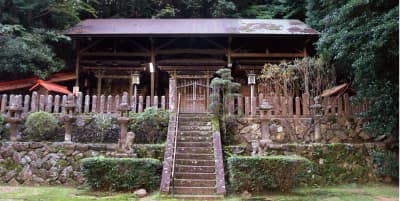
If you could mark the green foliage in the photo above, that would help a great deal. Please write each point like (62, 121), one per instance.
(122, 173)
(155, 151)
(387, 162)
(288, 9)
(256, 174)
(103, 122)
(40, 126)
(361, 38)
(224, 88)
(150, 126)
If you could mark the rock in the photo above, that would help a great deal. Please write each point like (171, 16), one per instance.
(364, 135)
(82, 147)
(11, 174)
(37, 180)
(2, 170)
(53, 173)
(13, 182)
(21, 146)
(140, 192)
(17, 156)
(65, 174)
(25, 174)
(387, 180)
(245, 194)
(36, 145)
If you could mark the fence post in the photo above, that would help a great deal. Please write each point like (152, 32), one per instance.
(42, 102)
(147, 102)
(155, 102)
(3, 103)
(87, 104)
(133, 104)
(163, 102)
(277, 107)
(109, 104)
(63, 102)
(34, 102)
(57, 104)
(94, 103)
(116, 103)
(79, 101)
(240, 105)
(284, 105)
(140, 106)
(340, 105)
(102, 103)
(49, 104)
(26, 104)
(298, 111)
(306, 104)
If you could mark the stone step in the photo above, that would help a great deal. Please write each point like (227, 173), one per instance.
(194, 144)
(195, 168)
(198, 197)
(194, 128)
(194, 156)
(194, 119)
(195, 162)
(195, 150)
(195, 133)
(191, 175)
(195, 123)
(194, 139)
(195, 190)
(195, 182)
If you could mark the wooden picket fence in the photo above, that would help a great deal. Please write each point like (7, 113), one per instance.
(83, 104)
(297, 106)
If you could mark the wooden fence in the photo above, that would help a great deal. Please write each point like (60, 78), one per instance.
(83, 104)
(297, 106)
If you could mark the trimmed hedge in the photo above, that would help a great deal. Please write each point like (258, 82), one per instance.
(122, 173)
(271, 173)
(41, 126)
(155, 151)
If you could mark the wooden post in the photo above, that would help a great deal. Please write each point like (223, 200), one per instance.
(298, 111)
(77, 66)
(340, 105)
(140, 106)
(102, 103)
(247, 106)
(57, 104)
(306, 104)
(277, 108)
(163, 102)
(63, 102)
(34, 102)
(94, 103)
(155, 104)
(240, 105)
(327, 104)
(148, 101)
(133, 104)
(42, 102)
(49, 104)
(26, 103)
(79, 100)
(87, 104)
(346, 104)
(109, 104)
(284, 105)
(116, 101)
(3, 103)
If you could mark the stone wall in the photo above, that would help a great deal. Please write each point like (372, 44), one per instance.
(40, 163)
(334, 129)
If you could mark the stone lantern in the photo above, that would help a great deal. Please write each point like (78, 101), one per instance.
(264, 109)
(68, 117)
(123, 120)
(316, 110)
(14, 118)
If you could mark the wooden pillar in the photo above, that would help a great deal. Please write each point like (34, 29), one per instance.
(298, 111)
(229, 52)
(77, 69)
(99, 80)
(152, 74)
(172, 93)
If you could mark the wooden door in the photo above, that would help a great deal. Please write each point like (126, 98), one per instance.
(195, 94)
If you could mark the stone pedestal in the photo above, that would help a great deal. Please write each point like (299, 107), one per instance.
(14, 118)
(264, 109)
(172, 94)
(123, 120)
(316, 110)
(68, 118)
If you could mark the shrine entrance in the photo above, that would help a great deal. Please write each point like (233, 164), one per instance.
(195, 94)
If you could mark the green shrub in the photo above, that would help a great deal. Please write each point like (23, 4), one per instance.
(150, 126)
(257, 174)
(387, 163)
(41, 126)
(155, 151)
(104, 123)
(122, 173)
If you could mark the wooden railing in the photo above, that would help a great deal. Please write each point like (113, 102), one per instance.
(84, 103)
(295, 106)
(175, 140)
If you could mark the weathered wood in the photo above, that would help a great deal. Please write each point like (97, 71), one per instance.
(124, 99)
(327, 105)
(347, 110)
(3, 103)
(231, 105)
(340, 105)
(26, 103)
(57, 104)
(63, 102)
(117, 54)
(284, 105)
(254, 110)
(102, 103)
(277, 107)
(148, 102)
(306, 104)
(116, 105)
(163, 102)
(191, 51)
(134, 104)
(260, 99)
(49, 104)
(109, 104)
(42, 102)
(94, 103)
(298, 110)
(267, 55)
(140, 105)
(79, 101)
(34, 102)
(240, 105)
(87, 104)
(247, 106)
(155, 102)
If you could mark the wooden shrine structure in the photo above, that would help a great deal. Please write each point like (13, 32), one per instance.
(164, 57)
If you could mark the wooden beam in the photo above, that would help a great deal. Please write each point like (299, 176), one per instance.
(116, 54)
(267, 55)
(77, 70)
(140, 46)
(167, 43)
(214, 43)
(113, 68)
(191, 51)
(190, 68)
(90, 46)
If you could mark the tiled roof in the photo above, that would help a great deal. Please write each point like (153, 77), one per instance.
(51, 87)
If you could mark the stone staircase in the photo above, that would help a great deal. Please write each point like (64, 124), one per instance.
(195, 169)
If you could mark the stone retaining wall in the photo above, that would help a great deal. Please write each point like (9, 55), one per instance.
(340, 129)
(41, 163)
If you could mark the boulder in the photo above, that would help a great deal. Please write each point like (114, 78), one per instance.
(140, 192)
